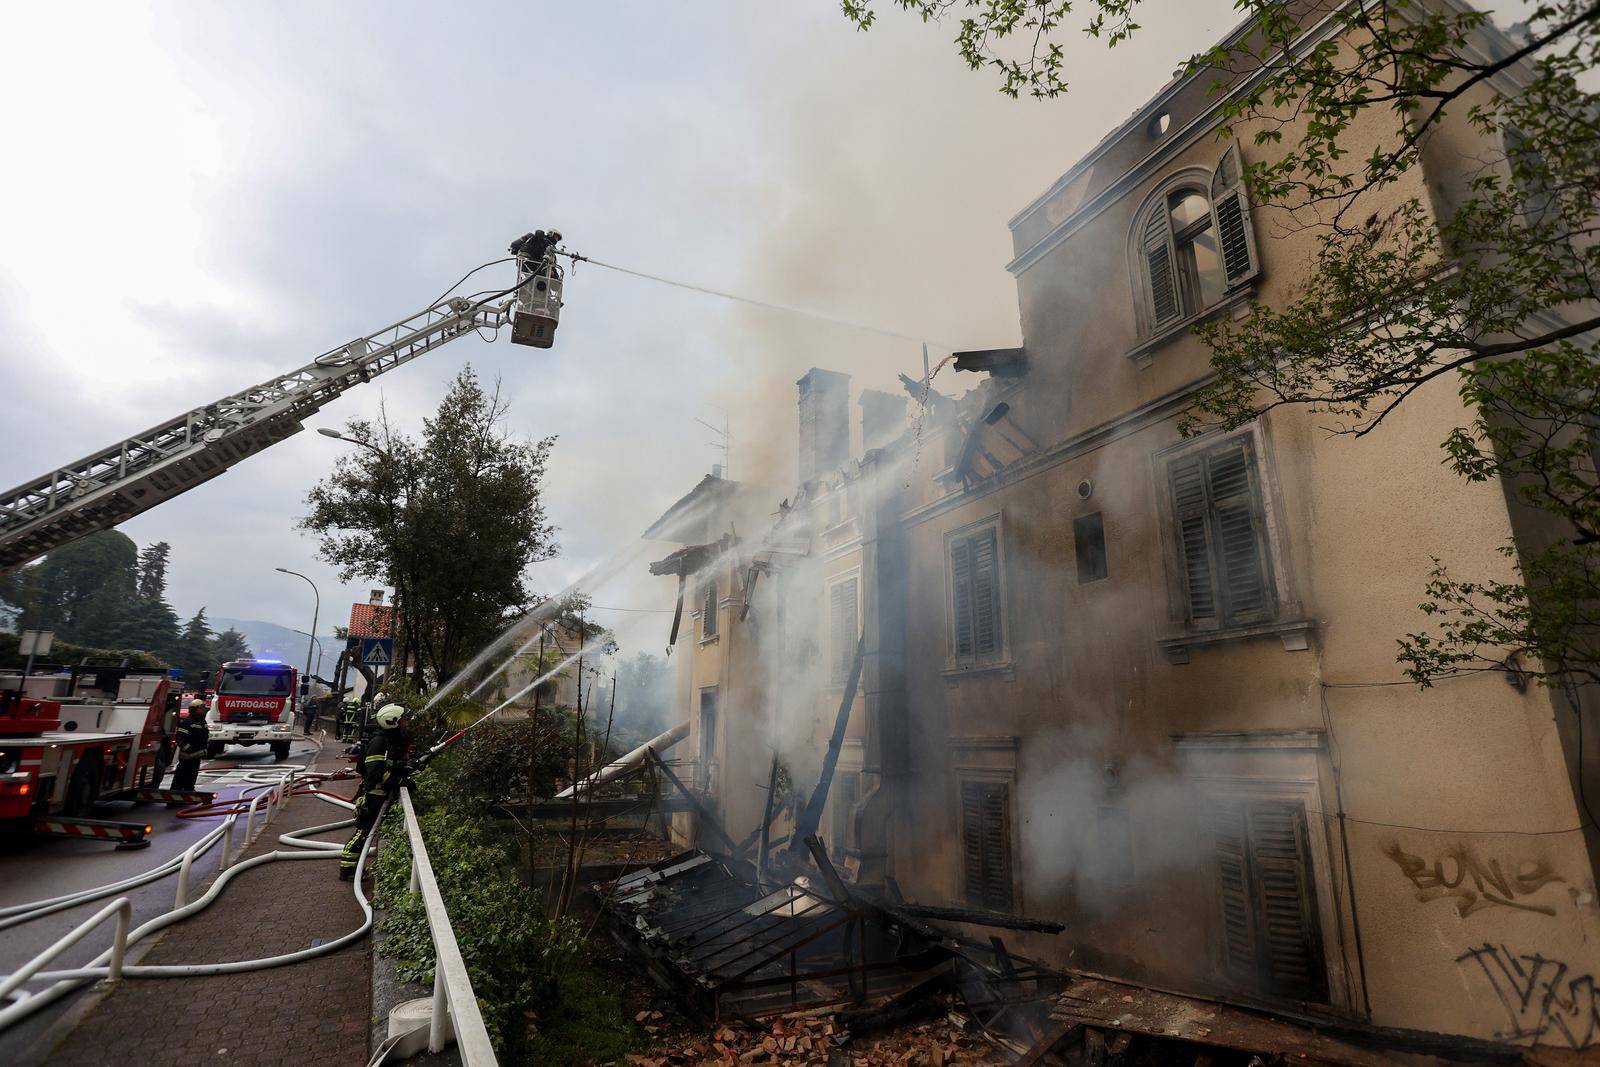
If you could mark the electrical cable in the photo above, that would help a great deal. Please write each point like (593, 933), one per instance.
(790, 308)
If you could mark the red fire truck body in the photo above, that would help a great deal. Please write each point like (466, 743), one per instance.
(254, 703)
(71, 739)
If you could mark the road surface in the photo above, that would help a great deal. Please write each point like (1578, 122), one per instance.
(39, 868)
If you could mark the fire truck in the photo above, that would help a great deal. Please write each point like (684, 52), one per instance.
(254, 703)
(73, 738)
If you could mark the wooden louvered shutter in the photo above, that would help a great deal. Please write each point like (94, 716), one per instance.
(1230, 208)
(961, 594)
(1228, 830)
(986, 844)
(708, 611)
(1159, 266)
(985, 595)
(1290, 945)
(843, 627)
(1194, 540)
(1237, 533)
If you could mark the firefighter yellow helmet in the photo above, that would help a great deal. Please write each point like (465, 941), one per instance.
(197, 704)
(389, 716)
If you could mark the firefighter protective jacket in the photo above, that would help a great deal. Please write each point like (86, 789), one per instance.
(382, 763)
(193, 734)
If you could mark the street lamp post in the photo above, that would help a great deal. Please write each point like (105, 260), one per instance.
(305, 682)
(318, 640)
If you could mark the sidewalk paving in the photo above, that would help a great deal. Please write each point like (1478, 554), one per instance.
(310, 1013)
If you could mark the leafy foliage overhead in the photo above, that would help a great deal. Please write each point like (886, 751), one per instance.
(1482, 277)
(450, 521)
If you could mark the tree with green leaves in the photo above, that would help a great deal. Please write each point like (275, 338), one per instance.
(152, 579)
(1492, 289)
(229, 645)
(450, 521)
(196, 647)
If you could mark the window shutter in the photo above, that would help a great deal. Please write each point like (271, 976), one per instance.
(985, 832)
(961, 581)
(985, 594)
(1233, 890)
(1291, 959)
(972, 838)
(1158, 256)
(1231, 210)
(708, 611)
(843, 627)
(1194, 542)
(1244, 583)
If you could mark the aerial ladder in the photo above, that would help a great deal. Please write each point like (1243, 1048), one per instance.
(114, 484)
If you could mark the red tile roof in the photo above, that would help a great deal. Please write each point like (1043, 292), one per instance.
(371, 620)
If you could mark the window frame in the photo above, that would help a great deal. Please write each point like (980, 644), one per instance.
(1278, 568)
(1000, 657)
(841, 654)
(706, 746)
(710, 602)
(1008, 838)
(1152, 224)
(1274, 765)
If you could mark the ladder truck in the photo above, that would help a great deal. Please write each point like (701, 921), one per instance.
(72, 738)
(116, 483)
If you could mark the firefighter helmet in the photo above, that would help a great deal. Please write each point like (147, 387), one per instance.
(197, 704)
(389, 716)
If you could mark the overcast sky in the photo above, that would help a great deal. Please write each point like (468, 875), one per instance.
(198, 196)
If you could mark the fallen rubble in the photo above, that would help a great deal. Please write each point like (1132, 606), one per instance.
(809, 969)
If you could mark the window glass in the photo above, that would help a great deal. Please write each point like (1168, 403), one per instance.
(1206, 261)
(1189, 208)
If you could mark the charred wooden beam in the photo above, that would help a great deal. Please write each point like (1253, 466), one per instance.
(982, 918)
(1052, 1038)
(830, 876)
(920, 1000)
(999, 362)
(811, 818)
(702, 814)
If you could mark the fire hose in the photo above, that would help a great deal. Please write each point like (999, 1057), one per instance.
(65, 981)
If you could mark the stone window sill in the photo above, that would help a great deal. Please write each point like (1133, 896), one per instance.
(1005, 670)
(1294, 633)
(713, 639)
(1144, 353)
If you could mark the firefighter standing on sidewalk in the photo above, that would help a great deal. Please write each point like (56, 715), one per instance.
(193, 737)
(383, 765)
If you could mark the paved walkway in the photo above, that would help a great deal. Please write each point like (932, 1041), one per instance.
(312, 1013)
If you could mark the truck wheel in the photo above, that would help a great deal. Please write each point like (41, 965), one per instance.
(280, 750)
(214, 749)
(83, 787)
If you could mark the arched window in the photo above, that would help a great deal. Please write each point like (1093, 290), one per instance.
(1195, 243)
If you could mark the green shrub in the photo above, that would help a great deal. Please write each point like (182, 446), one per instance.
(535, 989)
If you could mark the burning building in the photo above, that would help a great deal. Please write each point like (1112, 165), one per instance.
(1097, 672)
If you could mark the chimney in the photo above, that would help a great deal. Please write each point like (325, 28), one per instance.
(824, 422)
(883, 417)
(375, 598)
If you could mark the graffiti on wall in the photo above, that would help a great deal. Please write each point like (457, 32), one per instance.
(1545, 1003)
(1472, 882)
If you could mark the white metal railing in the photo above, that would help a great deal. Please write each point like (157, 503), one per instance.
(454, 1003)
(122, 908)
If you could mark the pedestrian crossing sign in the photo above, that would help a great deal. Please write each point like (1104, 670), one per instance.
(377, 651)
